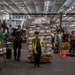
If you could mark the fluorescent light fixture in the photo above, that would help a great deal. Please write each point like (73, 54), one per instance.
(7, 13)
(29, 16)
(47, 8)
(1, 10)
(73, 19)
(7, 10)
(17, 5)
(36, 8)
(47, 2)
(65, 18)
(27, 6)
(6, 3)
(46, 5)
(64, 15)
(10, 6)
(72, 7)
(13, 9)
(69, 18)
(26, 12)
(45, 15)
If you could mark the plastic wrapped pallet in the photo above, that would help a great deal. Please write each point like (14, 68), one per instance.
(46, 40)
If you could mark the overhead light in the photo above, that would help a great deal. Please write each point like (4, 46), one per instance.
(26, 13)
(57, 20)
(24, 10)
(47, 1)
(7, 13)
(47, 8)
(65, 18)
(6, 3)
(47, 4)
(7, 10)
(72, 7)
(69, 18)
(1, 10)
(17, 5)
(64, 15)
(10, 6)
(29, 16)
(27, 7)
(13, 9)
(46, 15)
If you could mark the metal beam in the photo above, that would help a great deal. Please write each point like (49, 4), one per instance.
(67, 14)
(36, 13)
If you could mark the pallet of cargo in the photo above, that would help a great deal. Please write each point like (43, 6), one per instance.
(45, 37)
(43, 58)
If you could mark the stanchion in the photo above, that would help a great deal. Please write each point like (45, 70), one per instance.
(64, 54)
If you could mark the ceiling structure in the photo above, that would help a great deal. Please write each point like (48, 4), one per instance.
(40, 6)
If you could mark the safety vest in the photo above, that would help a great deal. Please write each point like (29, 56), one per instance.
(35, 42)
(2, 37)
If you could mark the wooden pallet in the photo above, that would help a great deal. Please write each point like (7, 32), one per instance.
(43, 58)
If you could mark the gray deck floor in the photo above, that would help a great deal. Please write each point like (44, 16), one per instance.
(58, 66)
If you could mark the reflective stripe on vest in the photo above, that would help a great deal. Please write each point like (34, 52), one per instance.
(36, 43)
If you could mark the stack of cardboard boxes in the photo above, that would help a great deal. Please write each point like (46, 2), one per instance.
(46, 41)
